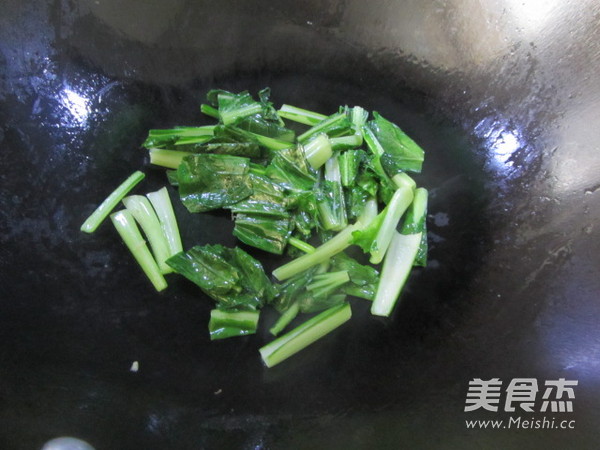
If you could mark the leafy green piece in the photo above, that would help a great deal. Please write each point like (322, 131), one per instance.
(231, 277)
(208, 182)
(321, 294)
(266, 233)
(225, 324)
(400, 152)
(234, 107)
(363, 278)
(303, 208)
(257, 124)
(172, 137)
(290, 169)
(262, 220)
(289, 290)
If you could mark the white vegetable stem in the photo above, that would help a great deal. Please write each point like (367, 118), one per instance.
(102, 211)
(318, 151)
(396, 267)
(129, 232)
(144, 214)
(305, 334)
(333, 246)
(164, 210)
(399, 203)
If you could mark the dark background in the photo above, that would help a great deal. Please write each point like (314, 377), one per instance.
(503, 96)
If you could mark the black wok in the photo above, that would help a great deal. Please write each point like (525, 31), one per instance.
(503, 95)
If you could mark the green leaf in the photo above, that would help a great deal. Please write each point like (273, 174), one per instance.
(208, 182)
(231, 277)
(290, 169)
(363, 278)
(400, 152)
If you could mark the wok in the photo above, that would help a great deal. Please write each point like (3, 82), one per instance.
(504, 97)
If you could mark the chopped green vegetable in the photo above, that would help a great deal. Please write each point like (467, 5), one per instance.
(164, 210)
(102, 211)
(335, 125)
(301, 115)
(341, 182)
(141, 209)
(330, 198)
(129, 232)
(363, 278)
(338, 243)
(169, 138)
(209, 182)
(285, 319)
(376, 236)
(400, 152)
(396, 268)
(302, 336)
(349, 162)
(318, 151)
(231, 277)
(225, 324)
(415, 222)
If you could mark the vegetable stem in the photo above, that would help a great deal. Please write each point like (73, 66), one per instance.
(396, 268)
(399, 202)
(129, 232)
(144, 214)
(336, 244)
(102, 211)
(301, 115)
(305, 334)
(284, 320)
(318, 151)
(170, 159)
(164, 210)
(301, 245)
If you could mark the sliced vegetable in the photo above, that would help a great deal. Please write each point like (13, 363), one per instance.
(225, 324)
(338, 243)
(376, 236)
(129, 232)
(104, 209)
(141, 209)
(164, 210)
(302, 336)
(208, 182)
(301, 115)
(396, 268)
